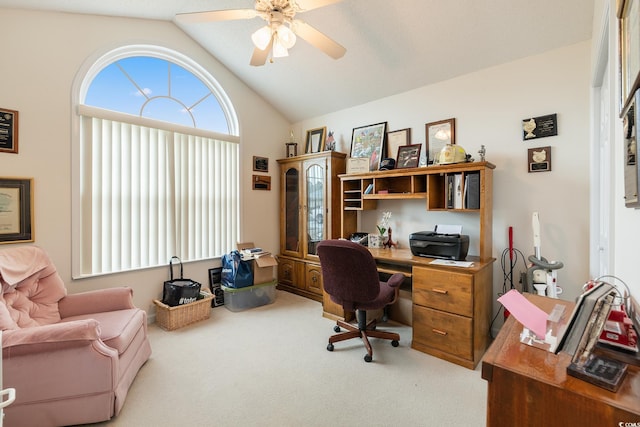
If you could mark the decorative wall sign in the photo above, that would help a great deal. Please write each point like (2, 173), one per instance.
(8, 131)
(260, 164)
(540, 159)
(16, 210)
(539, 127)
(262, 182)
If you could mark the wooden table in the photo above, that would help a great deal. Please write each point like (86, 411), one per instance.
(530, 387)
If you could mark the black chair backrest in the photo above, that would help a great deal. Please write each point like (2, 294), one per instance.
(349, 271)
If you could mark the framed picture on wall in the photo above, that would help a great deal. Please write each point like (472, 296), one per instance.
(16, 210)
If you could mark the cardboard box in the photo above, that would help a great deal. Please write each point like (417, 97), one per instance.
(263, 264)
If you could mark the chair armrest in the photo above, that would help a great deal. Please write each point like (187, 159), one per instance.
(395, 280)
(38, 339)
(98, 301)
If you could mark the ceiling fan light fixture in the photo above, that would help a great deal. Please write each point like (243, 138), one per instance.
(279, 50)
(286, 37)
(262, 37)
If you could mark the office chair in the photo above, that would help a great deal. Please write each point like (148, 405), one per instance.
(350, 277)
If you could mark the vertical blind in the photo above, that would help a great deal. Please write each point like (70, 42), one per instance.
(147, 194)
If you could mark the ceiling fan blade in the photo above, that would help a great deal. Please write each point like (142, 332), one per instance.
(305, 5)
(216, 15)
(318, 39)
(259, 57)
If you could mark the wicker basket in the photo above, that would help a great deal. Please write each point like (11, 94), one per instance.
(170, 318)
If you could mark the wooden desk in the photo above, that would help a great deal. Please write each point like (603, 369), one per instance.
(530, 387)
(451, 306)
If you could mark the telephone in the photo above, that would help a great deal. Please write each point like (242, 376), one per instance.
(359, 237)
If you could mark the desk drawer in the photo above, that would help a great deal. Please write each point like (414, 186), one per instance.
(443, 290)
(446, 332)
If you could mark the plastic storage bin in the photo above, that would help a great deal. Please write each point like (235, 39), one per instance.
(250, 296)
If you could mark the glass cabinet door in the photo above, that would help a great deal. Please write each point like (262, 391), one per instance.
(292, 210)
(315, 206)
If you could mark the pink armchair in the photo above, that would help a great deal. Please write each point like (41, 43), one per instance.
(71, 358)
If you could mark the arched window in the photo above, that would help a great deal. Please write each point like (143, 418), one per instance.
(156, 163)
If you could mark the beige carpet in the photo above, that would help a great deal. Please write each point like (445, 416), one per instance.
(268, 366)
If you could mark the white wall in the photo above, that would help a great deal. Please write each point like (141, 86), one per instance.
(488, 107)
(41, 56)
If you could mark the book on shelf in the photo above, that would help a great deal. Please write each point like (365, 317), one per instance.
(369, 189)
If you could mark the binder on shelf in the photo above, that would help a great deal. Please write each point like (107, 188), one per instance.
(472, 190)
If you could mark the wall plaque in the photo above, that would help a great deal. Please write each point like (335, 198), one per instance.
(539, 127)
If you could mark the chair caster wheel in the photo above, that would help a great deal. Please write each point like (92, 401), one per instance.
(395, 343)
(330, 347)
(336, 328)
(368, 358)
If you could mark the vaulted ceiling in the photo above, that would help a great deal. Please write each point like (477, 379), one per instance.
(392, 46)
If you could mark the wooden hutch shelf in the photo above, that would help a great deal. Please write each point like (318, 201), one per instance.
(362, 192)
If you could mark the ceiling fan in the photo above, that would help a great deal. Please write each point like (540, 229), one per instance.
(279, 35)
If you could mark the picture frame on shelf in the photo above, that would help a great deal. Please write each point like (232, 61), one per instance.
(629, 51)
(357, 165)
(16, 210)
(315, 140)
(8, 131)
(260, 164)
(408, 156)
(438, 134)
(368, 141)
(395, 139)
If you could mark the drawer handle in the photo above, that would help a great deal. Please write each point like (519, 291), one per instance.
(440, 291)
(439, 332)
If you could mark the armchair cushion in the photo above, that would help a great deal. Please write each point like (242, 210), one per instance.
(31, 288)
(117, 328)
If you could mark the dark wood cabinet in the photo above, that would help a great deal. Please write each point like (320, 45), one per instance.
(310, 206)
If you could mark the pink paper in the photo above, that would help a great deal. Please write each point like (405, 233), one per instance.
(527, 313)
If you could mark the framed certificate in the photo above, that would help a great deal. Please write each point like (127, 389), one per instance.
(16, 210)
